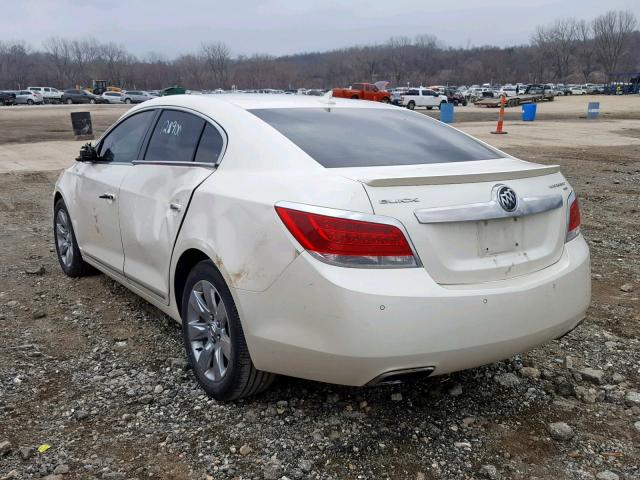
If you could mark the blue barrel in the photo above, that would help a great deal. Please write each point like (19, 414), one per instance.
(529, 112)
(593, 110)
(446, 112)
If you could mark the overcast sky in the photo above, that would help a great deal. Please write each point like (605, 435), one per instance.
(280, 27)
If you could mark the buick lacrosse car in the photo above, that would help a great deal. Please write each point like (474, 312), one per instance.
(341, 241)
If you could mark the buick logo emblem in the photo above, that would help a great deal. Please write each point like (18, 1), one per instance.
(507, 198)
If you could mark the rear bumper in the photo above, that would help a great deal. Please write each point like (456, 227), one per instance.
(349, 326)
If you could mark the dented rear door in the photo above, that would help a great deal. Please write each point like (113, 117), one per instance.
(182, 152)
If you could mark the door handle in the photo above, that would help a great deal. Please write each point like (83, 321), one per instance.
(175, 206)
(107, 196)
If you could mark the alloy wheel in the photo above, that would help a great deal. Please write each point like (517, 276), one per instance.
(208, 331)
(64, 238)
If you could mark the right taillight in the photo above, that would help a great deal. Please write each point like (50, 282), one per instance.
(573, 221)
(348, 239)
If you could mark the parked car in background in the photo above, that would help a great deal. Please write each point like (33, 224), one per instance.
(7, 98)
(455, 96)
(577, 90)
(422, 97)
(80, 96)
(136, 96)
(114, 97)
(509, 91)
(364, 91)
(27, 97)
(364, 257)
(396, 95)
(49, 94)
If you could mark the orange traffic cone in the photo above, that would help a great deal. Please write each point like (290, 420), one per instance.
(499, 131)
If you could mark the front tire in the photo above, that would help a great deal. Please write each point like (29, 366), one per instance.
(69, 101)
(411, 105)
(127, 101)
(67, 248)
(214, 339)
(92, 101)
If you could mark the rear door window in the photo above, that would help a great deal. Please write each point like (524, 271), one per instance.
(123, 143)
(368, 137)
(210, 146)
(175, 137)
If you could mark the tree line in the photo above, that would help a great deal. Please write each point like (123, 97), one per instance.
(568, 51)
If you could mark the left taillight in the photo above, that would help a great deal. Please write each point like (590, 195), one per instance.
(347, 241)
(573, 220)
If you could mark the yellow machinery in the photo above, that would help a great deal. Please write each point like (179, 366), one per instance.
(100, 86)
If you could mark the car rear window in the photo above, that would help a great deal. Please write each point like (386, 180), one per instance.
(370, 137)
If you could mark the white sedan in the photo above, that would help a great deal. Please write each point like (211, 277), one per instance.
(290, 235)
(115, 97)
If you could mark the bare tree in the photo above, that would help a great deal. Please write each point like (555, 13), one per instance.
(218, 57)
(397, 57)
(557, 44)
(15, 63)
(611, 34)
(115, 60)
(584, 48)
(59, 52)
(84, 54)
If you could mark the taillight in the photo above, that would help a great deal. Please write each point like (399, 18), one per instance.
(573, 222)
(349, 239)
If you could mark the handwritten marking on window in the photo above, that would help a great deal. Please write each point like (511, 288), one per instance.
(172, 128)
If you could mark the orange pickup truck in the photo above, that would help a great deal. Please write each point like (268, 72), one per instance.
(365, 91)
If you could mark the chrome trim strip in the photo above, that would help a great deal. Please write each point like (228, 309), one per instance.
(212, 166)
(488, 210)
(100, 265)
(351, 215)
(459, 178)
(146, 287)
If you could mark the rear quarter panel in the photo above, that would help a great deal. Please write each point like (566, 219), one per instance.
(232, 219)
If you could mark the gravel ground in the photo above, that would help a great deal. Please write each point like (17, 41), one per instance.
(100, 377)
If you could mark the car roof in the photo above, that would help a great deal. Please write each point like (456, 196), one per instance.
(254, 101)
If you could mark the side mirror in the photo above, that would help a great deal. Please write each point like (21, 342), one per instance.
(88, 153)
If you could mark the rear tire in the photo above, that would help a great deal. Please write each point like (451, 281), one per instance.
(385, 100)
(127, 100)
(92, 101)
(354, 97)
(29, 102)
(67, 248)
(440, 106)
(214, 339)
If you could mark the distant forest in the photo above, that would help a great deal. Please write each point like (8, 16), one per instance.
(569, 50)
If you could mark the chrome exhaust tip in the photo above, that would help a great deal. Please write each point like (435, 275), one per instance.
(401, 376)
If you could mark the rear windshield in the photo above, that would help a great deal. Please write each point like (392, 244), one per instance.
(370, 137)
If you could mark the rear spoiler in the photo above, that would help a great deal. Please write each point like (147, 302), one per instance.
(459, 178)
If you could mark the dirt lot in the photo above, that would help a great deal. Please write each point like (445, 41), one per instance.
(99, 375)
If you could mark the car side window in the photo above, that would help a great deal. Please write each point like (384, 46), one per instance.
(123, 142)
(175, 137)
(210, 146)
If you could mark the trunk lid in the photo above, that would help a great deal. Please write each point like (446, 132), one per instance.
(457, 223)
